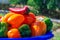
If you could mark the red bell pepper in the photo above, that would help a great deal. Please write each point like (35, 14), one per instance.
(19, 10)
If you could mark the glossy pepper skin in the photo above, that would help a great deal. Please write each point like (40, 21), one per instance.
(15, 20)
(38, 28)
(3, 29)
(25, 30)
(13, 33)
(29, 18)
(5, 18)
(19, 10)
(47, 21)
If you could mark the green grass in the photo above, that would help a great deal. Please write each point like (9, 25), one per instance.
(56, 35)
(56, 26)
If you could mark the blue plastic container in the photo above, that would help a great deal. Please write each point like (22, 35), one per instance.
(47, 36)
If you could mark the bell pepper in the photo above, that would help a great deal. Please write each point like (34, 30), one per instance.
(38, 28)
(5, 18)
(13, 33)
(29, 18)
(25, 30)
(3, 29)
(47, 21)
(23, 10)
(0, 18)
(15, 20)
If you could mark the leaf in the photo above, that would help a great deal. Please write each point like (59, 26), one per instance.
(39, 2)
(13, 1)
(51, 4)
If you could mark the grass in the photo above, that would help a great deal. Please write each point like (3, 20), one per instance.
(56, 31)
(56, 35)
(55, 26)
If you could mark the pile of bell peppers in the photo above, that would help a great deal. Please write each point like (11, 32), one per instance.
(20, 22)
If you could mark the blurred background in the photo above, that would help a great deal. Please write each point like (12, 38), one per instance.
(49, 8)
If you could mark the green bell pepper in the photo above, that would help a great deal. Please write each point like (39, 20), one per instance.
(25, 30)
(3, 29)
(48, 23)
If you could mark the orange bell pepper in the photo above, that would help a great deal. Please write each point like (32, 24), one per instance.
(5, 18)
(15, 20)
(38, 28)
(13, 33)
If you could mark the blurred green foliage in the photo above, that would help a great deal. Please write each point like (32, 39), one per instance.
(13, 1)
(18, 1)
(41, 7)
(42, 4)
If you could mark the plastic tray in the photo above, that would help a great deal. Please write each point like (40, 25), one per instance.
(47, 36)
